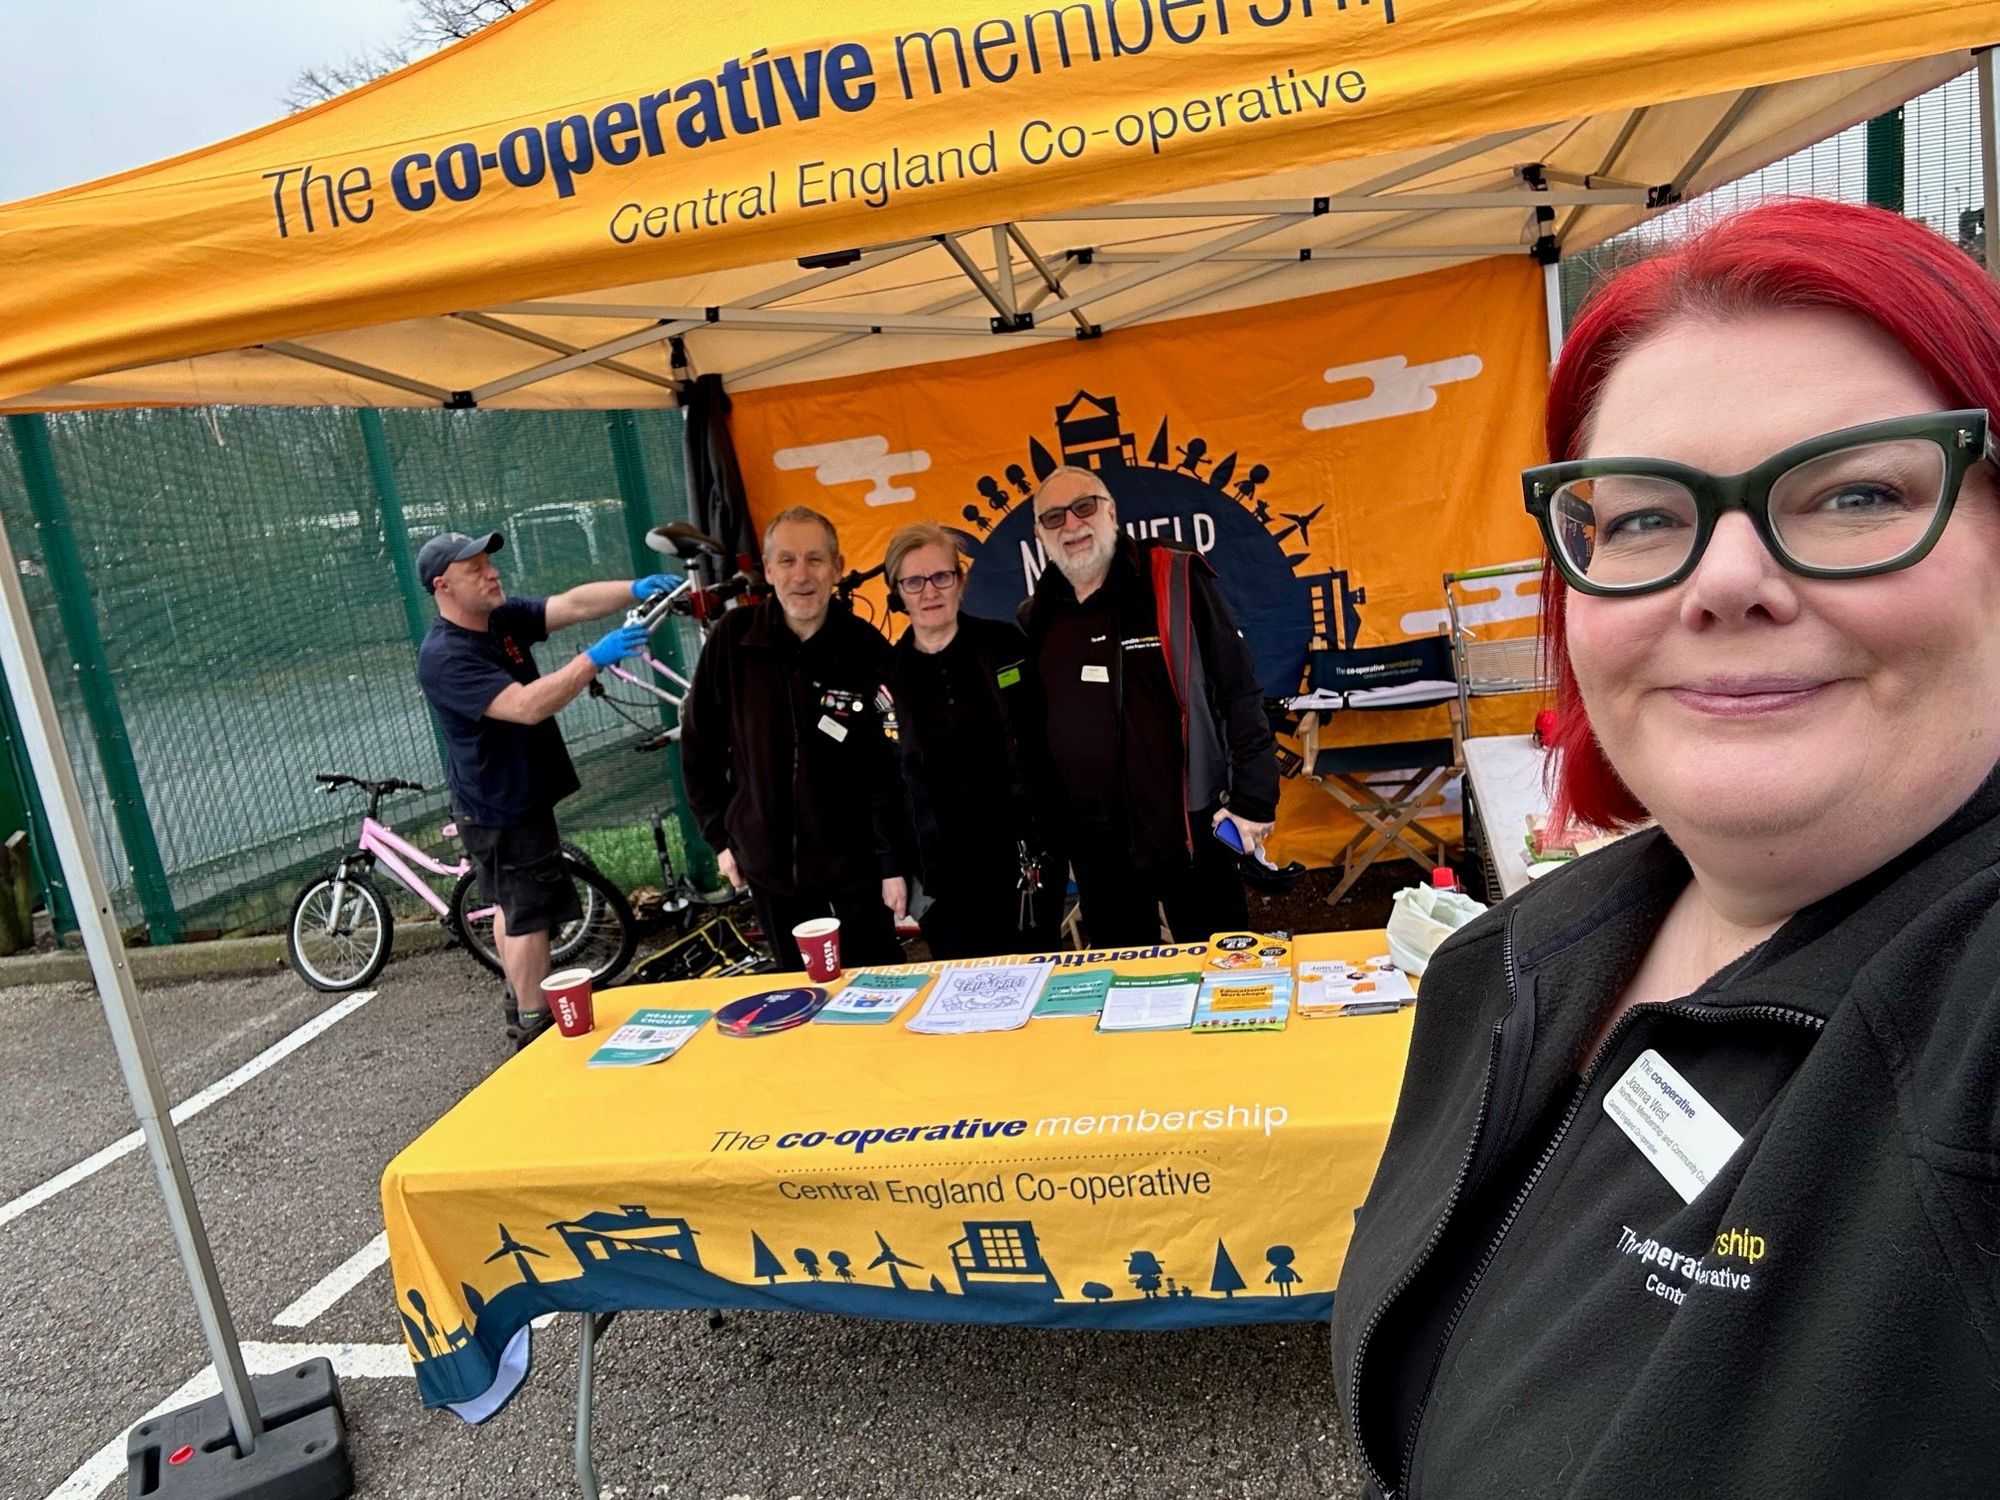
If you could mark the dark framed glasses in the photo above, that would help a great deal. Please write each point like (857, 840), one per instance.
(1848, 504)
(913, 584)
(1056, 516)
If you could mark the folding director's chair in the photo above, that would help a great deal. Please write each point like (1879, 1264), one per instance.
(1386, 786)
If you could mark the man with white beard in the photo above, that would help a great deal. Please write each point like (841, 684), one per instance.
(1155, 722)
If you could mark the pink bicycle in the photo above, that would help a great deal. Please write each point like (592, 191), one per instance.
(341, 931)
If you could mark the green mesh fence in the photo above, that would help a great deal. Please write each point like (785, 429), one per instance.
(240, 568)
(1940, 184)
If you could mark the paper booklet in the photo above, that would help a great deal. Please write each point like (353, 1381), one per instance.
(1150, 1002)
(967, 999)
(1243, 1002)
(1336, 987)
(1074, 992)
(650, 1036)
(1240, 952)
(870, 999)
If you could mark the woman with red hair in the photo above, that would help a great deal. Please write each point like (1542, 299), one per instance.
(1694, 1186)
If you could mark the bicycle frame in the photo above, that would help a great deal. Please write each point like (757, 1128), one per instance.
(673, 698)
(651, 614)
(383, 843)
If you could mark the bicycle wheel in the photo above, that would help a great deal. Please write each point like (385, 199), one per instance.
(601, 940)
(339, 940)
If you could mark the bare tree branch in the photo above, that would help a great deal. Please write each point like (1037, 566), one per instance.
(317, 85)
(439, 22)
(433, 24)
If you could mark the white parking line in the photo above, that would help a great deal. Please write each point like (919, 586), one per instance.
(350, 1362)
(222, 1088)
(336, 1284)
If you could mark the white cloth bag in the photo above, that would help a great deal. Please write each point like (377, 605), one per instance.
(1424, 917)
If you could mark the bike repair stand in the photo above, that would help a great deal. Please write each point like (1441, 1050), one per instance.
(284, 1439)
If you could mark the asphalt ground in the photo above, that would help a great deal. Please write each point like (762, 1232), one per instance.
(100, 1328)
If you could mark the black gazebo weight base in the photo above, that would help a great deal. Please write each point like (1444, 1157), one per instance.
(191, 1454)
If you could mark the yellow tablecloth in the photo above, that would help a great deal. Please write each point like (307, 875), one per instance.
(1052, 1175)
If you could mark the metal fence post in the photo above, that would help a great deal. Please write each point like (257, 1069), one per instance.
(635, 488)
(48, 868)
(1885, 160)
(396, 537)
(100, 698)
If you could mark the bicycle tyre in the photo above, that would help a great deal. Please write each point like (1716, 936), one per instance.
(602, 940)
(335, 961)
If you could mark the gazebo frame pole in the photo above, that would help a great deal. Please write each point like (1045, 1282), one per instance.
(1552, 303)
(1989, 159)
(41, 733)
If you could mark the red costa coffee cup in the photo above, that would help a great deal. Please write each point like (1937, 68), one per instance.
(819, 946)
(568, 995)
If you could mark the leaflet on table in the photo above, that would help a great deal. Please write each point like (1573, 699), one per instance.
(1335, 987)
(871, 999)
(1074, 992)
(1243, 952)
(1150, 1002)
(1243, 1002)
(650, 1036)
(967, 999)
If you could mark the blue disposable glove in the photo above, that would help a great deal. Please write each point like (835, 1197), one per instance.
(626, 640)
(655, 583)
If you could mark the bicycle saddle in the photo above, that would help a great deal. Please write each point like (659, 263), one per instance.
(678, 539)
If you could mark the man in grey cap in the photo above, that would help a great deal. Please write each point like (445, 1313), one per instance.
(505, 761)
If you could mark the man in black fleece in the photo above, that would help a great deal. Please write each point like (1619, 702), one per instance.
(786, 765)
(1155, 722)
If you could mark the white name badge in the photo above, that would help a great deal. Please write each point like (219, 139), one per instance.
(832, 728)
(1673, 1126)
(1097, 674)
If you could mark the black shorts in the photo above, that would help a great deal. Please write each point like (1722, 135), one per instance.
(521, 871)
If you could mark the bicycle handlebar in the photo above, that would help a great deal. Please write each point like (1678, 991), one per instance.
(690, 599)
(845, 587)
(334, 781)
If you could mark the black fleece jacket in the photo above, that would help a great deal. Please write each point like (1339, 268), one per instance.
(1822, 1319)
(1226, 752)
(783, 753)
(969, 745)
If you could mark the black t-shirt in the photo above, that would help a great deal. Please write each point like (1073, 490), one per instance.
(953, 716)
(1115, 728)
(1077, 661)
(499, 773)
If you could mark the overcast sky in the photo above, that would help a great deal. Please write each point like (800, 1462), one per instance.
(91, 87)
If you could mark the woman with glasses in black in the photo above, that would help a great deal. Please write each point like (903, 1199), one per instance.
(966, 720)
(1694, 1185)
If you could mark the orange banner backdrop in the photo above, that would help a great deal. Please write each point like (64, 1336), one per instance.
(1333, 456)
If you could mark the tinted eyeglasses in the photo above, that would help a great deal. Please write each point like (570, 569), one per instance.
(1056, 516)
(1848, 504)
(912, 584)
